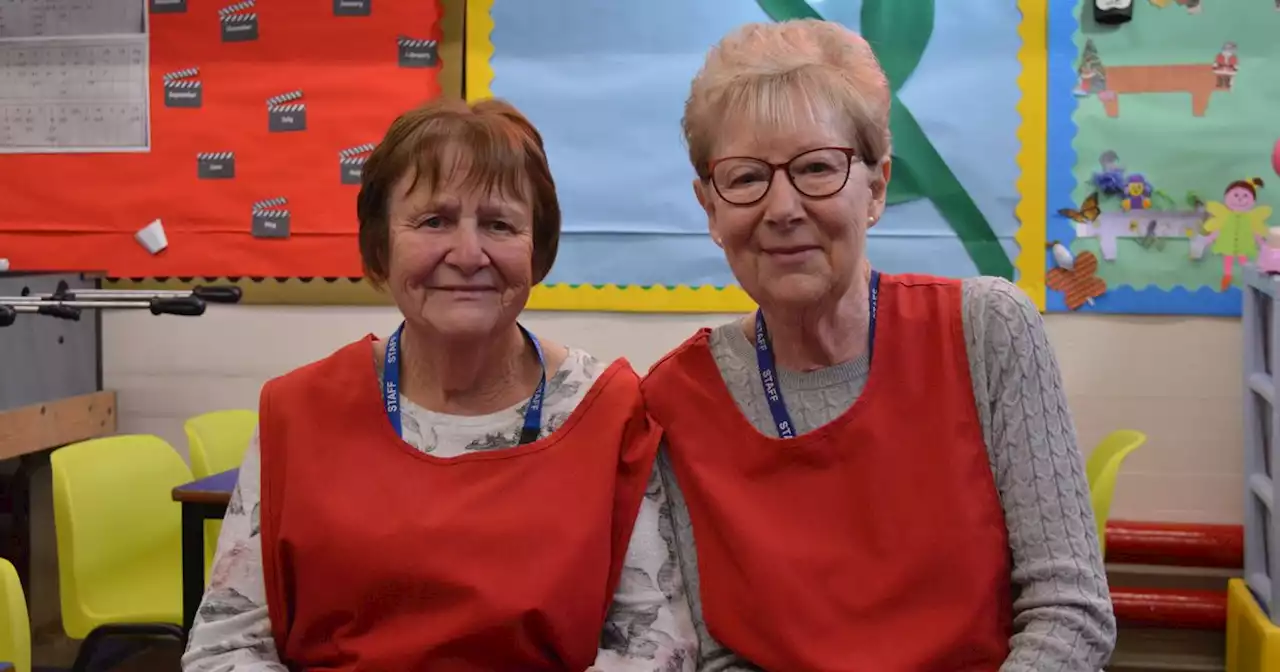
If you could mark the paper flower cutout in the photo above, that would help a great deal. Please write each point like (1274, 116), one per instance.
(1079, 285)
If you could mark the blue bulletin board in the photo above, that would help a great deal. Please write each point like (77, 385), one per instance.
(1160, 138)
(606, 83)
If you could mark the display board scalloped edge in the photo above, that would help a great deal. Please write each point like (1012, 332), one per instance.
(1032, 182)
(479, 46)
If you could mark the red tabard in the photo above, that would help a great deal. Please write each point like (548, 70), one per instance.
(381, 558)
(875, 543)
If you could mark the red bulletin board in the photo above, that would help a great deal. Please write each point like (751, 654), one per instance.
(79, 212)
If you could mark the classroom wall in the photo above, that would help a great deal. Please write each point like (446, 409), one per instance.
(1177, 379)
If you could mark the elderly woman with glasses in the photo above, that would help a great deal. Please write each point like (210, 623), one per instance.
(872, 471)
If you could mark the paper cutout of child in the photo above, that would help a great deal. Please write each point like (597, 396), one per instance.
(1092, 73)
(1237, 225)
(1226, 65)
(1137, 194)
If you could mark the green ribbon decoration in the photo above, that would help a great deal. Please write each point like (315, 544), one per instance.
(899, 31)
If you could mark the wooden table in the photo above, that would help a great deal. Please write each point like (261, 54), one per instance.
(1197, 79)
(30, 433)
(203, 499)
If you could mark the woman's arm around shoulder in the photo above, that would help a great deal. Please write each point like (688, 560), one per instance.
(232, 631)
(1062, 615)
(649, 627)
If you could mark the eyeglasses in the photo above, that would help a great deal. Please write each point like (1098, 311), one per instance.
(817, 173)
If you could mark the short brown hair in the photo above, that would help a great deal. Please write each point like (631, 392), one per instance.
(496, 146)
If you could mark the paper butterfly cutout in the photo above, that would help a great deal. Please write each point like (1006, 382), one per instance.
(1080, 284)
(1087, 213)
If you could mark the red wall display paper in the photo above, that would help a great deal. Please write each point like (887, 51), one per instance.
(355, 74)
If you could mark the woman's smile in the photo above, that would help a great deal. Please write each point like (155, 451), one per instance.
(792, 254)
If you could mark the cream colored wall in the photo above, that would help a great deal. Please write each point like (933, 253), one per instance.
(1178, 380)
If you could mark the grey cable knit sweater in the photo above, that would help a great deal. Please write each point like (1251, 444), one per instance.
(1063, 619)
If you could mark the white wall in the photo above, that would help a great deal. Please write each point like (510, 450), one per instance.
(1178, 380)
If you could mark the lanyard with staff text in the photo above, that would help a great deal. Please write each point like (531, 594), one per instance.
(391, 387)
(769, 375)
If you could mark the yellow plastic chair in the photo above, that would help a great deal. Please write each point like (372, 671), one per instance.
(119, 539)
(217, 442)
(15, 628)
(1253, 641)
(1102, 469)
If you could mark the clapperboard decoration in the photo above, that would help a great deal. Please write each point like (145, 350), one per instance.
(239, 22)
(182, 88)
(286, 112)
(351, 162)
(215, 165)
(416, 53)
(168, 6)
(270, 219)
(352, 7)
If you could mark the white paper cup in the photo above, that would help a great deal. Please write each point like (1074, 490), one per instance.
(152, 237)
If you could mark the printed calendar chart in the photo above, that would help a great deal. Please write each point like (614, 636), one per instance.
(73, 76)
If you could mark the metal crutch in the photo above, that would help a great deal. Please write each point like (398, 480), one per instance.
(11, 306)
(207, 293)
(9, 313)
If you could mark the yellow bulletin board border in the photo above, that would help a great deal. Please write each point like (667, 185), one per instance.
(479, 71)
(1032, 182)
(1033, 136)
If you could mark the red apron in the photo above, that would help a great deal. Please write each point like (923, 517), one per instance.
(381, 558)
(875, 543)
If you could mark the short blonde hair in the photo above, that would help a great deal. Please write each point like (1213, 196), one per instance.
(763, 70)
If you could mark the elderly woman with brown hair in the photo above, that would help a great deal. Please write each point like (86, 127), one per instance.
(872, 472)
(463, 495)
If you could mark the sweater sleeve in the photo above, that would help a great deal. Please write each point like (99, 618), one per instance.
(232, 631)
(1063, 620)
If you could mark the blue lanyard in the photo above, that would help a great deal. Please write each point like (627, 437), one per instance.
(769, 375)
(391, 387)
